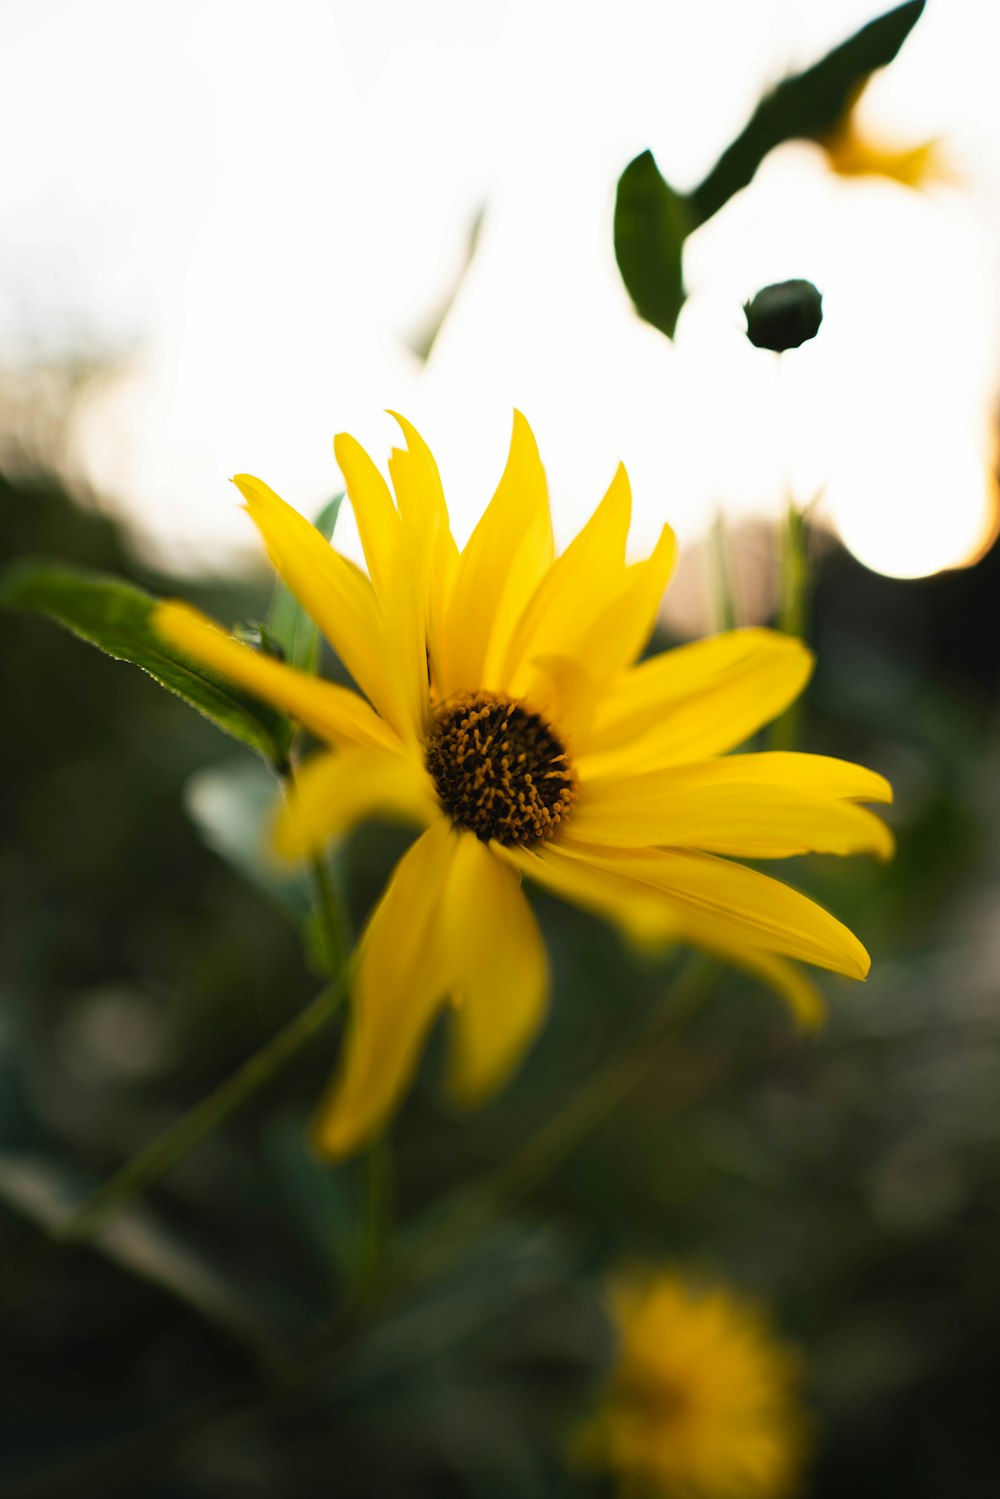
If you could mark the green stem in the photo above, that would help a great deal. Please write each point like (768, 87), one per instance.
(331, 916)
(795, 574)
(598, 1098)
(448, 1230)
(328, 910)
(162, 1154)
(427, 1252)
(168, 1149)
(793, 608)
(377, 1222)
(722, 589)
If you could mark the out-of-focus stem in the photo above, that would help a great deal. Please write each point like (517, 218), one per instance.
(459, 1221)
(795, 574)
(793, 607)
(162, 1154)
(331, 916)
(328, 902)
(723, 591)
(793, 612)
(377, 1221)
(167, 1150)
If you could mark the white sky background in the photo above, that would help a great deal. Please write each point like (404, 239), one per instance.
(258, 204)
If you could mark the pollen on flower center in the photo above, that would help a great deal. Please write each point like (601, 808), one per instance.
(498, 769)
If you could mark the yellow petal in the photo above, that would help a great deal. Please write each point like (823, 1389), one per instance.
(820, 775)
(700, 699)
(644, 917)
(378, 523)
(506, 556)
(743, 905)
(402, 980)
(564, 693)
(336, 595)
(442, 572)
(792, 985)
(591, 568)
(650, 922)
(332, 793)
(770, 806)
(334, 713)
(500, 974)
(619, 630)
(417, 482)
(416, 601)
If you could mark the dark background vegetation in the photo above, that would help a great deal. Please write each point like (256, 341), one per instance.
(852, 1180)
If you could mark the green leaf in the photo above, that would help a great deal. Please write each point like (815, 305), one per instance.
(116, 617)
(423, 339)
(806, 106)
(287, 624)
(45, 1192)
(233, 805)
(650, 227)
(323, 1205)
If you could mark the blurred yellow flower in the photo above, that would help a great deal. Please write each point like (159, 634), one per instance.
(853, 153)
(703, 1401)
(504, 714)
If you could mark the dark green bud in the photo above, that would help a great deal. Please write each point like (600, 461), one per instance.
(784, 316)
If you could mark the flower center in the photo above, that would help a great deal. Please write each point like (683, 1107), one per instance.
(498, 768)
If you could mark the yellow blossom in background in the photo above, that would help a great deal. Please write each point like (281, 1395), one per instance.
(501, 711)
(851, 152)
(703, 1401)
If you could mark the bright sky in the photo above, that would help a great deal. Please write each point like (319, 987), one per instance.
(259, 205)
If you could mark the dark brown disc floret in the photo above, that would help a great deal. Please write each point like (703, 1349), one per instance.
(498, 768)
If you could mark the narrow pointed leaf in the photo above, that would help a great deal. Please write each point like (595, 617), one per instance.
(805, 106)
(45, 1192)
(232, 805)
(116, 617)
(424, 337)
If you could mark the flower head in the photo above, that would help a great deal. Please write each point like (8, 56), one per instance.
(703, 1400)
(501, 710)
(851, 152)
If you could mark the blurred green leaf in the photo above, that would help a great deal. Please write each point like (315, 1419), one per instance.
(323, 1203)
(45, 1192)
(423, 339)
(232, 805)
(805, 106)
(316, 945)
(287, 624)
(116, 617)
(650, 226)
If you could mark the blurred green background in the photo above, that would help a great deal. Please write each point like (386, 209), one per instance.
(851, 1180)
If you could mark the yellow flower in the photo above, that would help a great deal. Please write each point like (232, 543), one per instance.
(500, 710)
(852, 153)
(703, 1400)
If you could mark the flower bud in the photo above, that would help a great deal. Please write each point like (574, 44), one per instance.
(784, 315)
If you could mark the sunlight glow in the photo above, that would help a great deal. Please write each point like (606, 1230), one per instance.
(259, 259)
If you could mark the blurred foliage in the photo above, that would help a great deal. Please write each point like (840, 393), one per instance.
(422, 340)
(202, 1348)
(117, 618)
(652, 221)
(651, 225)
